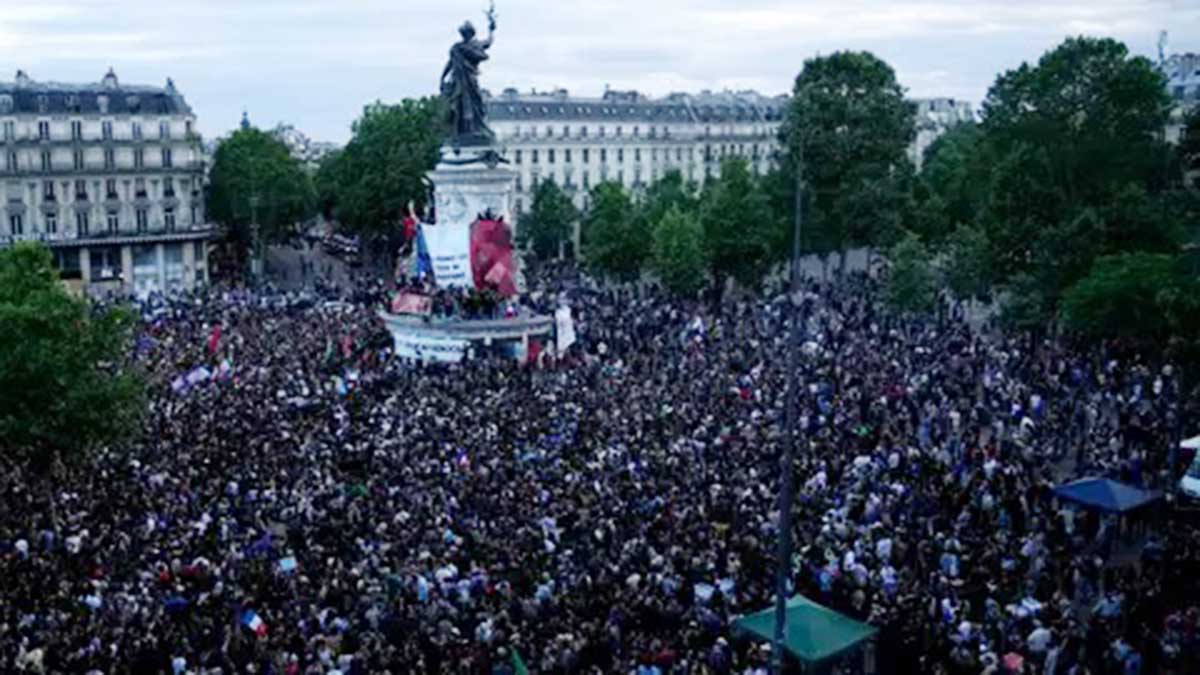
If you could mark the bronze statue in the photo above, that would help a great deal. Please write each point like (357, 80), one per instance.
(466, 111)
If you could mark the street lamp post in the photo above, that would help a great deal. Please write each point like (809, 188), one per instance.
(783, 565)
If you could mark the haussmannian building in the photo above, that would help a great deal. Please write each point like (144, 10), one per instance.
(110, 177)
(632, 139)
(626, 137)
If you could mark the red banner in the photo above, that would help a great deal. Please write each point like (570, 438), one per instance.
(411, 303)
(491, 256)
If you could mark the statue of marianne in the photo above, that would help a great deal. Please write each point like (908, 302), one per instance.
(466, 111)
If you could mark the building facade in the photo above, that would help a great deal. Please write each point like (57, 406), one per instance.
(110, 177)
(934, 117)
(1183, 84)
(305, 150)
(626, 137)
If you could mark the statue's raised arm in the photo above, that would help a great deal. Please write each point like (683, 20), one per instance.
(491, 17)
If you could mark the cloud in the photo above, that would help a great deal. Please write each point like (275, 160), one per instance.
(315, 63)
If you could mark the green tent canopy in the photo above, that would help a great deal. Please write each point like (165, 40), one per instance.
(814, 632)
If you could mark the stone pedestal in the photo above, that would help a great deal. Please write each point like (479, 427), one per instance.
(469, 181)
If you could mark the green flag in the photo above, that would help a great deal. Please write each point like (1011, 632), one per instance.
(518, 665)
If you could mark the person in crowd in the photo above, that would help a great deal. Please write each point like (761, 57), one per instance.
(297, 501)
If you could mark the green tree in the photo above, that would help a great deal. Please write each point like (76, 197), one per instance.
(65, 380)
(967, 264)
(679, 252)
(737, 223)
(911, 281)
(255, 176)
(1072, 137)
(954, 183)
(616, 240)
(850, 126)
(368, 185)
(1120, 297)
(1189, 147)
(547, 225)
(670, 191)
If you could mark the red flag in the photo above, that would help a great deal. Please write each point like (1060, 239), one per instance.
(531, 355)
(491, 256)
(214, 339)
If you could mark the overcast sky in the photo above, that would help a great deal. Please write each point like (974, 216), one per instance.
(315, 63)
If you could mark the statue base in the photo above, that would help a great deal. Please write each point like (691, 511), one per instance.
(470, 181)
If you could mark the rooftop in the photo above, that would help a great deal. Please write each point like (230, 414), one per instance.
(24, 95)
(632, 106)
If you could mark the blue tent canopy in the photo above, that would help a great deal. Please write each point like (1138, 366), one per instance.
(1106, 495)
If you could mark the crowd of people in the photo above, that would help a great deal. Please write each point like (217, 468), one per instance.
(310, 505)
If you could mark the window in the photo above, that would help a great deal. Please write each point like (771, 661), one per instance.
(43, 131)
(136, 131)
(81, 191)
(187, 128)
(76, 130)
(533, 156)
(621, 176)
(517, 157)
(169, 218)
(143, 220)
(51, 222)
(164, 130)
(110, 188)
(139, 158)
(620, 154)
(587, 180)
(601, 131)
(585, 155)
(635, 131)
(195, 215)
(106, 130)
(678, 154)
(46, 163)
(139, 187)
(567, 156)
(618, 132)
(10, 162)
(77, 160)
(113, 222)
(566, 131)
(653, 154)
(15, 226)
(48, 190)
(583, 132)
(10, 130)
(110, 160)
(603, 155)
(637, 154)
(520, 206)
(166, 157)
(81, 223)
(168, 187)
(550, 156)
(520, 183)
(549, 132)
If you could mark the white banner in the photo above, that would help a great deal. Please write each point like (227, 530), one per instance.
(450, 253)
(428, 347)
(564, 327)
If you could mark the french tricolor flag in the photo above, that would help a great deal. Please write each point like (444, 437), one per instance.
(251, 620)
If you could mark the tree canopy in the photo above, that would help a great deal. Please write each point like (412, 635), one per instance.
(543, 230)
(911, 282)
(616, 236)
(368, 185)
(849, 127)
(679, 252)
(255, 175)
(737, 224)
(66, 383)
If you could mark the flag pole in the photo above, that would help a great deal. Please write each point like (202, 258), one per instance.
(783, 563)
